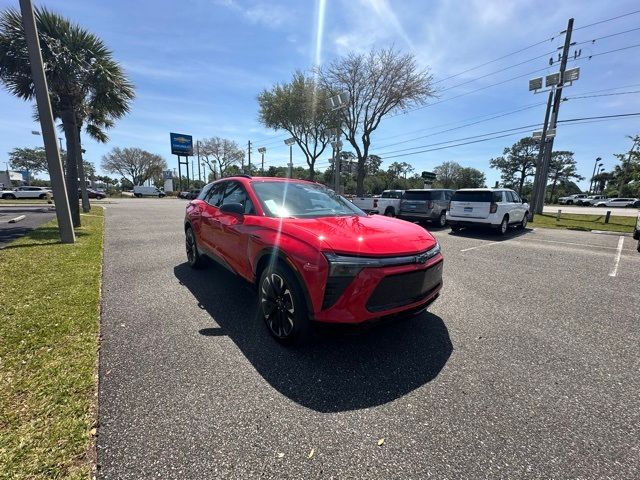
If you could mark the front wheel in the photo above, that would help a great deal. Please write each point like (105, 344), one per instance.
(282, 305)
(390, 212)
(455, 228)
(194, 258)
(442, 220)
(525, 220)
(569, 202)
(9, 196)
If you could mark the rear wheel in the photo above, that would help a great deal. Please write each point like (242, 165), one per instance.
(455, 228)
(442, 219)
(9, 196)
(282, 305)
(194, 257)
(390, 212)
(504, 226)
(43, 196)
(137, 195)
(569, 202)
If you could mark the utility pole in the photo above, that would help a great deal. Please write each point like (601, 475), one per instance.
(595, 165)
(198, 154)
(337, 145)
(63, 212)
(543, 142)
(290, 142)
(262, 151)
(554, 118)
(249, 155)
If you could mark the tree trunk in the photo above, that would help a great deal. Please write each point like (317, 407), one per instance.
(521, 183)
(71, 174)
(86, 206)
(553, 189)
(312, 171)
(360, 179)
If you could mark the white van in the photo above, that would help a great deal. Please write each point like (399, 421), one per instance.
(142, 191)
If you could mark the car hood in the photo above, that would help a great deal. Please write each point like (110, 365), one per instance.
(374, 235)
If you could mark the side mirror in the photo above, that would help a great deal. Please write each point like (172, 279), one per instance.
(524, 200)
(232, 208)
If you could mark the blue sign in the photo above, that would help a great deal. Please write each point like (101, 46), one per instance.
(167, 175)
(25, 175)
(181, 144)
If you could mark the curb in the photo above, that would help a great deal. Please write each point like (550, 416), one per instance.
(17, 219)
(608, 232)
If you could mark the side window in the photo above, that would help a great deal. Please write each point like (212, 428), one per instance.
(516, 198)
(235, 193)
(204, 192)
(448, 194)
(498, 197)
(215, 194)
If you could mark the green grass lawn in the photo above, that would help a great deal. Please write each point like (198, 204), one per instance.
(574, 221)
(26, 201)
(49, 317)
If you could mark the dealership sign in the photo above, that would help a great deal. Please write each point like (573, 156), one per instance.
(181, 144)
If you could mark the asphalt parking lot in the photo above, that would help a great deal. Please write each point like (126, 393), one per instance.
(34, 217)
(525, 367)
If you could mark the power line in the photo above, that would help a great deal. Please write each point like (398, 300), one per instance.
(610, 51)
(601, 95)
(607, 20)
(600, 116)
(593, 40)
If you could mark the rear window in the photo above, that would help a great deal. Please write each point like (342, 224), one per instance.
(472, 197)
(418, 195)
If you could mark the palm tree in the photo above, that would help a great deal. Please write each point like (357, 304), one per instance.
(87, 86)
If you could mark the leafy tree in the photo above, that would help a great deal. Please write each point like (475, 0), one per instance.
(517, 163)
(453, 175)
(628, 170)
(299, 107)
(32, 159)
(562, 168)
(134, 164)
(223, 152)
(470, 178)
(86, 85)
(378, 84)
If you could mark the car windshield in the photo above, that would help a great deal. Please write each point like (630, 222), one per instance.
(302, 200)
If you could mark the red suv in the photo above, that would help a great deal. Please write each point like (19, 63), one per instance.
(313, 254)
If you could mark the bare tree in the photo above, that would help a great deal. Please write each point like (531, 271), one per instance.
(134, 164)
(220, 151)
(299, 107)
(378, 83)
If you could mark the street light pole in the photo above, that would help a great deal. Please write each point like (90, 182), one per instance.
(63, 211)
(595, 165)
(262, 151)
(290, 142)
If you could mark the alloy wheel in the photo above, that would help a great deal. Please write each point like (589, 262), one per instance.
(190, 244)
(277, 305)
(443, 219)
(503, 226)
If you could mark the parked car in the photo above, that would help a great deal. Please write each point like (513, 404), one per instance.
(617, 202)
(93, 193)
(497, 208)
(591, 200)
(576, 199)
(142, 191)
(425, 205)
(26, 192)
(314, 256)
(387, 204)
(190, 194)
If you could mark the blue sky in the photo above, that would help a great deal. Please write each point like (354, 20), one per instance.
(199, 64)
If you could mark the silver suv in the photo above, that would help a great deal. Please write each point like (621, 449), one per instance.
(425, 205)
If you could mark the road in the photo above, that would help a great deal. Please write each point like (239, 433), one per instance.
(624, 212)
(525, 367)
(34, 217)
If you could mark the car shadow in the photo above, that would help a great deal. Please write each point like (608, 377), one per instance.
(338, 371)
(486, 233)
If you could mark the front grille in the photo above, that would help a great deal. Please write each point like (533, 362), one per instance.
(404, 288)
(334, 289)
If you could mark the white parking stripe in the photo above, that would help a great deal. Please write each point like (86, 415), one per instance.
(614, 271)
(479, 246)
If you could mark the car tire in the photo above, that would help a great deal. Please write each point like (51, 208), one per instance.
(390, 212)
(456, 228)
(503, 228)
(43, 196)
(9, 196)
(569, 202)
(194, 257)
(525, 220)
(282, 306)
(442, 219)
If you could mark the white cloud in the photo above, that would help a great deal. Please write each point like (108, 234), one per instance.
(269, 15)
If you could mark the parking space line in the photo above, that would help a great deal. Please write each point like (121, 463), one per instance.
(479, 246)
(573, 243)
(614, 271)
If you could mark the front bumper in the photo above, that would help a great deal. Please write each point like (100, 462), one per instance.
(386, 291)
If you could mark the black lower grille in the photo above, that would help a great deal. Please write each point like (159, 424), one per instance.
(335, 287)
(405, 288)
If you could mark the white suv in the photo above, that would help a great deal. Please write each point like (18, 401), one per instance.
(489, 207)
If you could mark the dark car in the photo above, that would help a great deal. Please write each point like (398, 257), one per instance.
(189, 194)
(314, 256)
(93, 193)
(425, 205)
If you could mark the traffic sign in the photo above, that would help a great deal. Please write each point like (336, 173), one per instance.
(181, 144)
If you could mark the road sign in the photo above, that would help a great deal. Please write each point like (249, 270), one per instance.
(181, 144)
(428, 176)
(167, 174)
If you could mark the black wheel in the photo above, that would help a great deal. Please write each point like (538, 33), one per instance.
(504, 226)
(390, 212)
(569, 202)
(525, 220)
(639, 246)
(9, 196)
(137, 195)
(43, 196)
(455, 228)
(194, 257)
(282, 305)
(442, 219)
